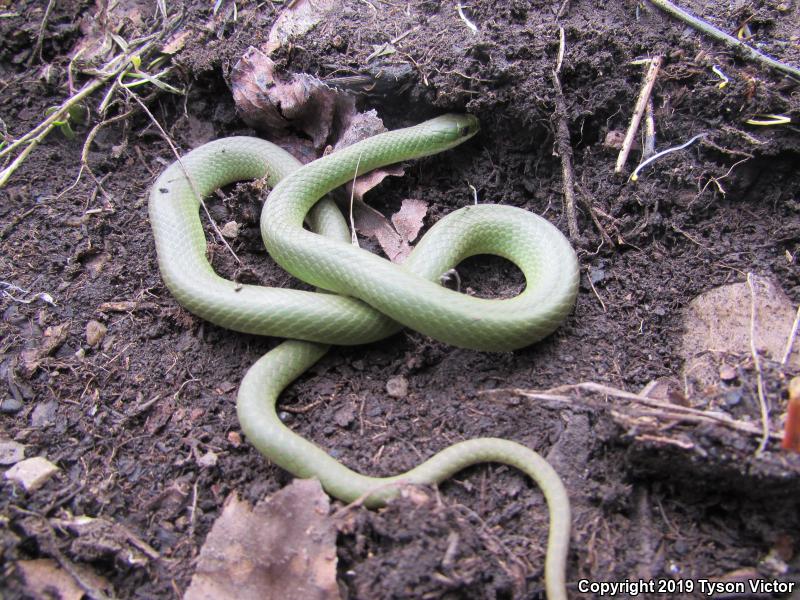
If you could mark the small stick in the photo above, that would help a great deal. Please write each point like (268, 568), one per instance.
(641, 104)
(591, 284)
(563, 145)
(557, 394)
(790, 340)
(185, 172)
(37, 48)
(730, 41)
(649, 145)
(762, 401)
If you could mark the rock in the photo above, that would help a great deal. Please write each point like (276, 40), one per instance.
(11, 452)
(31, 473)
(230, 230)
(397, 387)
(209, 459)
(344, 416)
(44, 414)
(95, 332)
(727, 373)
(10, 405)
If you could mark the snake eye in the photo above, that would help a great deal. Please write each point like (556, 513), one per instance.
(467, 127)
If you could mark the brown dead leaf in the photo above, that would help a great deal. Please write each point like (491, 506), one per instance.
(284, 548)
(176, 42)
(51, 341)
(408, 220)
(394, 239)
(271, 104)
(296, 19)
(96, 44)
(100, 538)
(45, 580)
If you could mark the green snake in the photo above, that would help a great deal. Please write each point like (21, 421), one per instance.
(363, 297)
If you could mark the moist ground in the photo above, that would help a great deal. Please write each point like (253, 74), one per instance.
(127, 422)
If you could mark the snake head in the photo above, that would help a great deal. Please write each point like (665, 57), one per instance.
(452, 129)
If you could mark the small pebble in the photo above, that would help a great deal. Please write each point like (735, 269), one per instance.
(209, 459)
(44, 414)
(11, 452)
(727, 373)
(344, 416)
(230, 230)
(31, 473)
(95, 332)
(733, 397)
(10, 405)
(397, 387)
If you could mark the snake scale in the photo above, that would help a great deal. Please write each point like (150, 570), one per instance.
(363, 297)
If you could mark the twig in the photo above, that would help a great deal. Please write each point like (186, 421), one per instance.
(718, 72)
(85, 154)
(762, 401)
(636, 118)
(730, 41)
(190, 179)
(37, 48)
(790, 340)
(649, 144)
(193, 510)
(557, 394)
(474, 193)
(635, 175)
(386, 490)
(587, 202)
(591, 284)
(563, 145)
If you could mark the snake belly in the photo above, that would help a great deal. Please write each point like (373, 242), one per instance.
(372, 297)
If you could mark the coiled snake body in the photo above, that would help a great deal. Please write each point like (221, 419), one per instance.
(372, 297)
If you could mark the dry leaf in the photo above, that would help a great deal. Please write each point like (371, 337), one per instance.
(51, 341)
(272, 104)
(96, 45)
(176, 42)
(719, 321)
(408, 220)
(393, 240)
(296, 19)
(101, 538)
(46, 580)
(284, 548)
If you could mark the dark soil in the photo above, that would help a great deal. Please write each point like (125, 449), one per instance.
(127, 421)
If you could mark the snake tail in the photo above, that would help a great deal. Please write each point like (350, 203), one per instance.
(256, 402)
